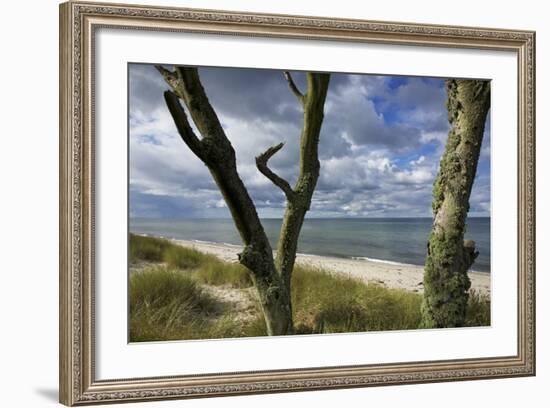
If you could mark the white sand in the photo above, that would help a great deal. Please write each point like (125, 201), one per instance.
(391, 275)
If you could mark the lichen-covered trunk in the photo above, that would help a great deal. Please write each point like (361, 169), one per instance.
(217, 153)
(287, 247)
(257, 256)
(271, 277)
(446, 282)
(300, 201)
(274, 296)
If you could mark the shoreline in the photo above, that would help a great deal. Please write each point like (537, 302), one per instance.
(386, 273)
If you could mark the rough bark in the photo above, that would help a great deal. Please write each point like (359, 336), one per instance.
(446, 282)
(299, 202)
(217, 153)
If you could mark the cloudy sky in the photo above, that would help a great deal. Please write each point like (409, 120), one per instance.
(380, 146)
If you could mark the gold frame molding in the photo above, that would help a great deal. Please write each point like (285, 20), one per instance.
(78, 22)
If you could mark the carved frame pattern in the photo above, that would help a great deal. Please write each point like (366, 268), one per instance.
(77, 24)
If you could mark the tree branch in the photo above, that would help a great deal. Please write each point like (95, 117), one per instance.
(313, 103)
(446, 280)
(217, 153)
(214, 149)
(293, 87)
(170, 77)
(182, 124)
(261, 163)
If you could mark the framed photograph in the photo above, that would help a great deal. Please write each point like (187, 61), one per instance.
(256, 203)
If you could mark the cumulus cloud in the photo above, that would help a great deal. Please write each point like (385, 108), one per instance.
(380, 145)
(352, 115)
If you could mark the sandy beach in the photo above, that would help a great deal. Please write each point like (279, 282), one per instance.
(391, 275)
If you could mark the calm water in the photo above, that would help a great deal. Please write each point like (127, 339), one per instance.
(401, 240)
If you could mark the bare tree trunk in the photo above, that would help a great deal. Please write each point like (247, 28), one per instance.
(216, 151)
(299, 198)
(446, 282)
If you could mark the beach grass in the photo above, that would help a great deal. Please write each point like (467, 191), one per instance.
(185, 258)
(205, 268)
(223, 273)
(330, 303)
(478, 312)
(149, 249)
(169, 300)
(165, 303)
(168, 304)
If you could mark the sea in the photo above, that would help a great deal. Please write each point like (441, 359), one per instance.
(387, 240)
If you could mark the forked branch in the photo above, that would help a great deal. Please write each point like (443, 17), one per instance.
(217, 153)
(261, 163)
(170, 77)
(271, 276)
(182, 123)
(313, 103)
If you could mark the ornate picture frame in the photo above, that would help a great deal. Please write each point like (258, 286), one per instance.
(79, 22)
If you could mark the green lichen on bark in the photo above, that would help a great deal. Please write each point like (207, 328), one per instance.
(271, 277)
(446, 282)
(313, 104)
